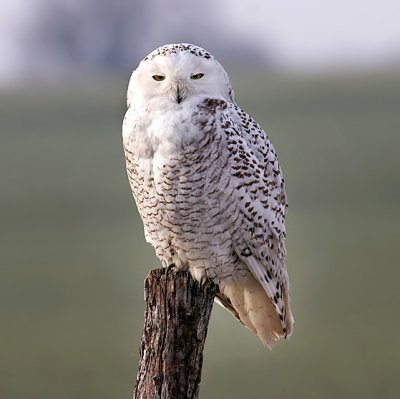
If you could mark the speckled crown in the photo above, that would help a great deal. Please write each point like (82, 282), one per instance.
(169, 49)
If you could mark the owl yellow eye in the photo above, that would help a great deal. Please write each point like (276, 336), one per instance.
(197, 76)
(158, 78)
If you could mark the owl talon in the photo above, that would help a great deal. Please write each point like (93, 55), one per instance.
(171, 268)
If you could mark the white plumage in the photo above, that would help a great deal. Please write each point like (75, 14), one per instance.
(208, 185)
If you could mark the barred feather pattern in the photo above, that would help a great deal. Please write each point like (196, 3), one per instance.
(214, 202)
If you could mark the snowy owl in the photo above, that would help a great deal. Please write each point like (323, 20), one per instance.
(208, 185)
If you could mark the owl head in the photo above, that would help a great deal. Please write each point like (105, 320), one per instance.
(176, 73)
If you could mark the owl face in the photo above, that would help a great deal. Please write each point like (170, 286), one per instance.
(171, 79)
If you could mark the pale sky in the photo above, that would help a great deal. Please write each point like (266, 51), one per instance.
(322, 32)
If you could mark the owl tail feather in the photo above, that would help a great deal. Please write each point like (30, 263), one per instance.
(246, 299)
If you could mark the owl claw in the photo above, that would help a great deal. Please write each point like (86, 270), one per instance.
(171, 268)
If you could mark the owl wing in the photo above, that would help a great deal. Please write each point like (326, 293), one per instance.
(260, 193)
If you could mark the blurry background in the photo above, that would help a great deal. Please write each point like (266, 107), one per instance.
(322, 77)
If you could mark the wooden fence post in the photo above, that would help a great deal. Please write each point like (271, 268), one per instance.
(177, 313)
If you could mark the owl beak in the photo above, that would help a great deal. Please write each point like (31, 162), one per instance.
(178, 96)
(179, 92)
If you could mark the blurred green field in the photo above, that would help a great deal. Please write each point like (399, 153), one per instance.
(73, 257)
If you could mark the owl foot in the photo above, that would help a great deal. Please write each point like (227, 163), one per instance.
(171, 268)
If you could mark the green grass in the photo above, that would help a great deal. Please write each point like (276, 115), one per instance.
(73, 257)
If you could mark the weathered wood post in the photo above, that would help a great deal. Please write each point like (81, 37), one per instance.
(175, 328)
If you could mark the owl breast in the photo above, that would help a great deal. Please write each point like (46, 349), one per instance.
(184, 194)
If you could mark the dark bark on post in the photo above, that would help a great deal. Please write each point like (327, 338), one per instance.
(175, 328)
